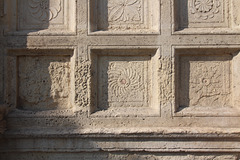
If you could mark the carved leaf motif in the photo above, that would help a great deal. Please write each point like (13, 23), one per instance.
(43, 11)
(124, 10)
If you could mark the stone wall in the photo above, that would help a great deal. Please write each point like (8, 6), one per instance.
(120, 79)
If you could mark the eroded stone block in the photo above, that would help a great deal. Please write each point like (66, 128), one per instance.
(39, 79)
(43, 82)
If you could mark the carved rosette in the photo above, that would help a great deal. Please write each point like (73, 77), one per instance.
(43, 11)
(124, 80)
(204, 9)
(207, 84)
(124, 11)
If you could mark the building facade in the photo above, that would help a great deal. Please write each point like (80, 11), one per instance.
(119, 79)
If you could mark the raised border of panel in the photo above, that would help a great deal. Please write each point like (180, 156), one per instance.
(12, 86)
(153, 23)
(153, 110)
(207, 111)
(225, 28)
(68, 28)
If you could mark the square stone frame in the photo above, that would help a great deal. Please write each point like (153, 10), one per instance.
(11, 79)
(229, 111)
(226, 28)
(154, 109)
(154, 22)
(68, 28)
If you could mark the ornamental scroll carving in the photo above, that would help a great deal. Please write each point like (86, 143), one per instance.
(204, 9)
(43, 10)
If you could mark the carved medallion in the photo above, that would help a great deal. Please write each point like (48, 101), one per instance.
(204, 9)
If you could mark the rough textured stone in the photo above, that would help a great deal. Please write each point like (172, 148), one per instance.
(119, 79)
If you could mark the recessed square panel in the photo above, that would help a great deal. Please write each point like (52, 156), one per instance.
(124, 16)
(40, 79)
(38, 14)
(205, 81)
(123, 81)
(42, 16)
(44, 82)
(201, 14)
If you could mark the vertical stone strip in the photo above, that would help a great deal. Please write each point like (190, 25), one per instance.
(1, 8)
(81, 82)
(3, 112)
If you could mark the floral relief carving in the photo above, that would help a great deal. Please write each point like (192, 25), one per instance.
(124, 10)
(208, 85)
(204, 9)
(123, 80)
(204, 5)
(43, 10)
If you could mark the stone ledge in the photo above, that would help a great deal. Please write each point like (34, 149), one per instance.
(117, 155)
(73, 145)
(147, 133)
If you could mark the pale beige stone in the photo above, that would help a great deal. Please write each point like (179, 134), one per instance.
(116, 16)
(119, 79)
(45, 87)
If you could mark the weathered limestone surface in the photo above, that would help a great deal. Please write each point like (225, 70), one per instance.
(119, 79)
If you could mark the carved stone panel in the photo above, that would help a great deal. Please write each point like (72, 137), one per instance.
(122, 82)
(124, 16)
(205, 81)
(44, 82)
(201, 13)
(39, 14)
(48, 16)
